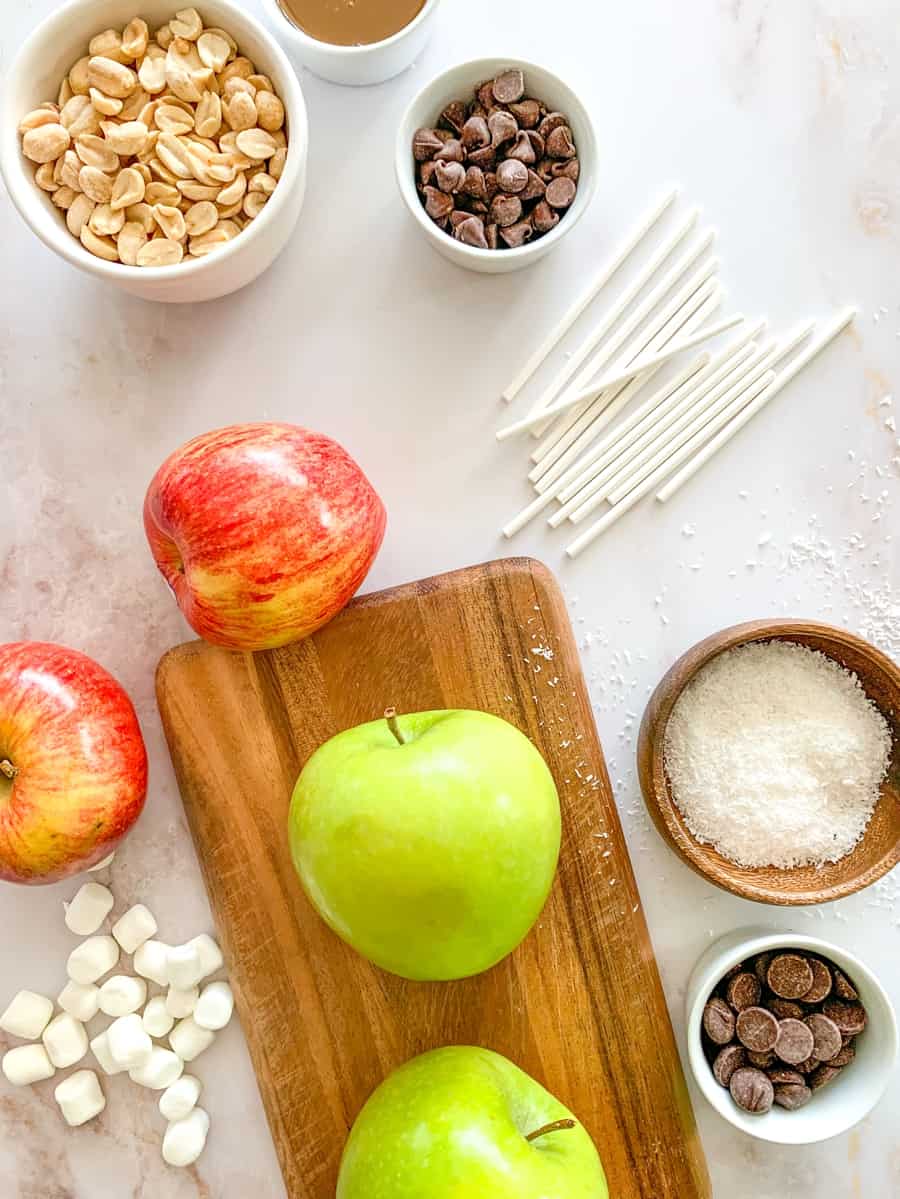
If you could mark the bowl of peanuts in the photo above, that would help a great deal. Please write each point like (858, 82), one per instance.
(161, 149)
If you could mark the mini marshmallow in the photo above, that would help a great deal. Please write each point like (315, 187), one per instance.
(161, 1069)
(185, 1139)
(180, 1098)
(100, 1050)
(65, 1040)
(90, 907)
(80, 1097)
(189, 1040)
(92, 959)
(181, 1003)
(214, 1007)
(151, 961)
(122, 995)
(134, 928)
(184, 966)
(129, 1043)
(27, 1064)
(157, 1019)
(80, 1001)
(211, 958)
(27, 1016)
(107, 861)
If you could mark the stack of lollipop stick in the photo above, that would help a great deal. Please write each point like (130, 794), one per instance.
(606, 438)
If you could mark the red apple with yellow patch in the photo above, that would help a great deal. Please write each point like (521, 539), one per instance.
(263, 532)
(73, 767)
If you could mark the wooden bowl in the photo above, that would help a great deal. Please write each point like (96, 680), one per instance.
(878, 851)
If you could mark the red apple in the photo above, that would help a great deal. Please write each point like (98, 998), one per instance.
(263, 532)
(73, 768)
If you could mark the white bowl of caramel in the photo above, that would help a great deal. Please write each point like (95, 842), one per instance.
(353, 43)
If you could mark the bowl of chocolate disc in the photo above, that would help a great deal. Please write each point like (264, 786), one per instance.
(790, 1038)
(496, 162)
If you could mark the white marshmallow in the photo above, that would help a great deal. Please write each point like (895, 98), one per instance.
(90, 907)
(80, 1097)
(157, 1019)
(27, 1064)
(121, 995)
(151, 961)
(211, 958)
(65, 1040)
(180, 1098)
(92, 959)
(129, 1043)
(100, 1050)
(161, 1069)
(185, 967)
(107, 861)
(80, 1000)
(214, 1007)
(185, 1139)
(181, 1003)
(27, 1015)
(134, 928)
(189, 1040)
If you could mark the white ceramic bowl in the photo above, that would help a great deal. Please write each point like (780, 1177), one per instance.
(34, 77)
(358, 66)
(845, 1101)
(458, 83)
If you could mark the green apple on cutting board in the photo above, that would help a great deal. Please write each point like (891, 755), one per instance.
(464, 1123)
(427, 841)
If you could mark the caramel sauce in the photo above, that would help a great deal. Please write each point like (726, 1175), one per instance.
(351, 22)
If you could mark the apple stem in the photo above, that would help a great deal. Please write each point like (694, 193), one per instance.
(556, 1126)
(7, 768)
(390, 715)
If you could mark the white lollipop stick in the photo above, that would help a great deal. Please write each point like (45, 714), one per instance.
(634, 497)
(566, 322)
(830, 332)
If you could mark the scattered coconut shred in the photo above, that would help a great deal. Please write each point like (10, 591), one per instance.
(776, 755)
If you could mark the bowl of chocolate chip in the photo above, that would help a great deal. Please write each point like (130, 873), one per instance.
(496, 161)
(790, 1038)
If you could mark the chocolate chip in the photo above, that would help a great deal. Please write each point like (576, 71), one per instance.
(522, 149)
(729, 1059)
(451, 151)
(795, 1041)
(782, 1076)
(545, 218)
(807, 1067)
(512, 176)
(506, 210)
(751, 1090)
(560, 192)
(718, 1021)
(844, 1056)
(762, 1061)
(789, 975)
(438, 205)
(821, 987)
(827, 1041)
(792, 1096)
(823, 1076)
(757, 1029)
(485, 158)
(518, 234)
(449, 175)
(490, 185)
(534, 188)
(475, 133)
(544, 168)
(457, 216)
(553, 120)
(761, 966)
(559, 143)
(471, 232)
(786, 1009)
(492, 232)
(509, 87)
(743, 991)
(572, 170)
(849, 1017)
(426, 171)
(527, 112)
(503, 128)
(454, 116)
(484, 94)
(844, 988)
(426, 143)
(473, 183)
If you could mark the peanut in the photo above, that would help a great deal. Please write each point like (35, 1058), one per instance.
(45, 143)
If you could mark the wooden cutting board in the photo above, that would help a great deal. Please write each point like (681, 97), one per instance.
(579, 1005)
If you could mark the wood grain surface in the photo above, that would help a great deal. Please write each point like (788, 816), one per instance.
(579, 1005)
(878, 851)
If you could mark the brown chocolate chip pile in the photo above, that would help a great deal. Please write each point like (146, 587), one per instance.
(498, 170)
(781, 1027)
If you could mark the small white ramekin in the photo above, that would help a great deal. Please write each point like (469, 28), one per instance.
(358, 66)
(845, 1101)
(35, 76)
(457, 84)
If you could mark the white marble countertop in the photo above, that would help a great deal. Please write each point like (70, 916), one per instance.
(783, 121)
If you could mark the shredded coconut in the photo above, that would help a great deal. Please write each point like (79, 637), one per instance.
(776, 756)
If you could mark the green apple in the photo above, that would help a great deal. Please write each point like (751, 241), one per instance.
(428, 842)
(463, 1123)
